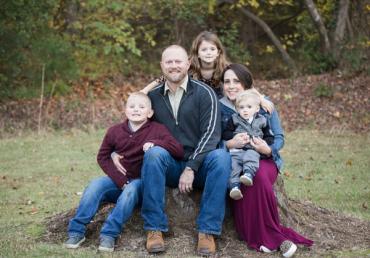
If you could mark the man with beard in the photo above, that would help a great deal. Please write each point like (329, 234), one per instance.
(190, 110)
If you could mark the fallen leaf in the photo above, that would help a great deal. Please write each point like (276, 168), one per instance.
(33, 211)
(287, 174)
(336, 114)
(349, 162)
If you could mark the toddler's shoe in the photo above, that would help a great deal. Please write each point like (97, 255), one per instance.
(235, 193)
(74, 242)
(246, 179)
(288, 248)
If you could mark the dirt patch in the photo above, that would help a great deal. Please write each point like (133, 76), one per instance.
(330, 230)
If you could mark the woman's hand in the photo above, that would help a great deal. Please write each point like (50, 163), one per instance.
(238, 141)
(152, 85)
(261, 146)
(267, 105)
(115, 158)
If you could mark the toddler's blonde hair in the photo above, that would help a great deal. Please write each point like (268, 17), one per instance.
(248, 94)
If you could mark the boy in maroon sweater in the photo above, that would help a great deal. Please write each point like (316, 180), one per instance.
(130, 139)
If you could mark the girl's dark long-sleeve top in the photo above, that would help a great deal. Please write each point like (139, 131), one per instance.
(120, 139)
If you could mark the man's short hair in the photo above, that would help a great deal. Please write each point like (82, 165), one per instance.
(175, 46)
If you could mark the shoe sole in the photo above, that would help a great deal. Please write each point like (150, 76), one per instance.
(207, 254)
(264, 249)
(291, 251)
(70, 246)
(236, 196)
(105, 249)
(246, 181)
(158, 249)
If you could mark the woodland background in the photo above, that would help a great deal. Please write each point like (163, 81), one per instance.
(67, 67)
(62, 42)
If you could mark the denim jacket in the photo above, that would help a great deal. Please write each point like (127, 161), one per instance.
(228, 109)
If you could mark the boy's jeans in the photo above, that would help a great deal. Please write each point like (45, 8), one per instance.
(101, 190)
(161, 169)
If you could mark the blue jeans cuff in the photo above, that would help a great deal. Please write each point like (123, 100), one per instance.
(210, 232)
(106, 236)
(156, 229)
(75, 234)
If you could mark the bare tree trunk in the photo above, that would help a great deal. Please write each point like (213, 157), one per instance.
(341, 25)
(71, 15)
(286, 57)
(349, 28)
(319, 24)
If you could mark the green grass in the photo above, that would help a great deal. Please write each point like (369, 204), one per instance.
(329, 169)
(40, 176)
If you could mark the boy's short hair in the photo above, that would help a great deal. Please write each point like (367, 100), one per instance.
(141, 95)
(247, 94)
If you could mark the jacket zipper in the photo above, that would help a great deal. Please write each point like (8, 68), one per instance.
(170, 109)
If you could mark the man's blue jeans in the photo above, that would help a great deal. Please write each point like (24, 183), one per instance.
(101, 190)
(161, 169)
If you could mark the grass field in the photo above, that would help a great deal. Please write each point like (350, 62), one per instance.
(42, 176)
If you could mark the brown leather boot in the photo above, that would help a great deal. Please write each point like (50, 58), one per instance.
(206, 245)
(154, 242)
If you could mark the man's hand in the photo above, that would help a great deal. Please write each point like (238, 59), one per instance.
(115, 158)
(147, 146)
(186, 180)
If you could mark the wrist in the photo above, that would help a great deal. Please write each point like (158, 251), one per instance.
(268, 151)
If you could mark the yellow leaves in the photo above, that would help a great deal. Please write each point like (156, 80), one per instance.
(287, 97)
(367, 8)
(254, 3)
(269, 49)
(211, 6)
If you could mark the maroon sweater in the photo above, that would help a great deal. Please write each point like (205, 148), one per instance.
(120, 139)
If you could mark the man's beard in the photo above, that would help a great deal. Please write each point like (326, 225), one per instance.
(175, 77)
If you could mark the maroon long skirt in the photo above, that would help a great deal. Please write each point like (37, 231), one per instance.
(256, 214)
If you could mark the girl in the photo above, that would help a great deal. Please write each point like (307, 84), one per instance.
(208, 60)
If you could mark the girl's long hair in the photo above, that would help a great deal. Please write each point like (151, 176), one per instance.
(195, 64)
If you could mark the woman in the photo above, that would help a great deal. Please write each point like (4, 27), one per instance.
(256, 215)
